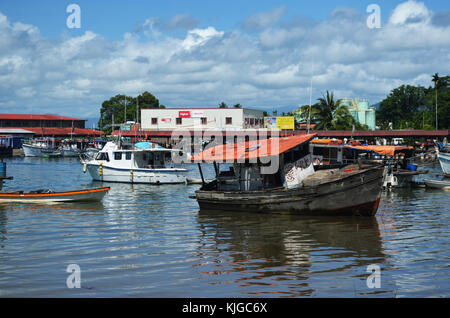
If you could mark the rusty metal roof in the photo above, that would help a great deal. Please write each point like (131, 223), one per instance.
(251, 149)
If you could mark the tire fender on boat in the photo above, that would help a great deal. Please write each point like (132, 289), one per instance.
(84, 168)
(100, 169)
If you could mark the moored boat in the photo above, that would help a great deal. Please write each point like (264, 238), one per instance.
(148, 163)
(46, 196)
(44, 147)
(334, 153)
(293, 187)
(69, 150)
(437, 184)
(444, 161)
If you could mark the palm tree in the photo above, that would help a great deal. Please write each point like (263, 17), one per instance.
(330, 114)
(436, 80)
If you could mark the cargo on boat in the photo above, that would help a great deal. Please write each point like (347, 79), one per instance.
(401, 169)
(294, 186)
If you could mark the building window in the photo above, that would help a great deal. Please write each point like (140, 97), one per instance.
(154, 121)
(228, 120)
(204, 121)
(252, 121)
(179, 121)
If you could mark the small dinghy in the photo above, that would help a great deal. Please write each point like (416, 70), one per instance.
(46, 195)
(437, 184)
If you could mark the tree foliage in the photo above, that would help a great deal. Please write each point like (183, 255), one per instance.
(329, 114)
(114, 108)
(415, 106)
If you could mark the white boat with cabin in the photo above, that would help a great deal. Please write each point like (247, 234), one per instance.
(41, 148)
(143, 163)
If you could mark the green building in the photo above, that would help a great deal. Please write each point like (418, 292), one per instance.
(360, 110)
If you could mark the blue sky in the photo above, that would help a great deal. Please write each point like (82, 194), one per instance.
(198, 53)
(112, 19)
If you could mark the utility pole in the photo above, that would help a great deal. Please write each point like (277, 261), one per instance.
(125, 114)
(310, 98)
(137, 109)
(436, 109)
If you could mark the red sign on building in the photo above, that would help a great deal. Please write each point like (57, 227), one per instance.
(184, 114)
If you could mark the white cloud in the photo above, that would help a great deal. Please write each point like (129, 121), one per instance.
(410, 12)
(72, 75)
(263, 20)
(198, 37)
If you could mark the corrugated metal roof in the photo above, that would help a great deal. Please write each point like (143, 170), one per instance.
(37, 117)
(65, 131)
(251, 149)
(15, 131)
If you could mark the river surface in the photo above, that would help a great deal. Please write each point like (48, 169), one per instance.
(152, 241)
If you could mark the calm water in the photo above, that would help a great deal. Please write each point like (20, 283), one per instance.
(152, 241)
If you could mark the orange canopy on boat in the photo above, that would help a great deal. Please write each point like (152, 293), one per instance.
(326, 141)
(252, 149)
(385, 150)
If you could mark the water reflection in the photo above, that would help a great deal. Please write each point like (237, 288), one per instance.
(283, 253)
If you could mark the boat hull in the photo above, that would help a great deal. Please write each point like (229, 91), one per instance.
(356, 194)
(444, 160)
(70, 153)
(34, 151)
(145, 176)
(67, 196)
(437, 184)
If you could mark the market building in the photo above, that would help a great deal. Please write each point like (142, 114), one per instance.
(45, 126)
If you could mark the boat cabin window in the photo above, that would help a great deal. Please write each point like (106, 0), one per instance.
(102, 156)
(128, 156)
(296, 154)
(117, 156)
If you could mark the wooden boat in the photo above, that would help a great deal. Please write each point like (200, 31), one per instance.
(295, 187)
(437, 184)
(333, 153)
(46, 196)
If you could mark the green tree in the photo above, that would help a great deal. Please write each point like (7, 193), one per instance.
(440, 96)
(402, 108)
(114, 109)
(223, 105)
(329, 114)
(237, 106)
(148, 100)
